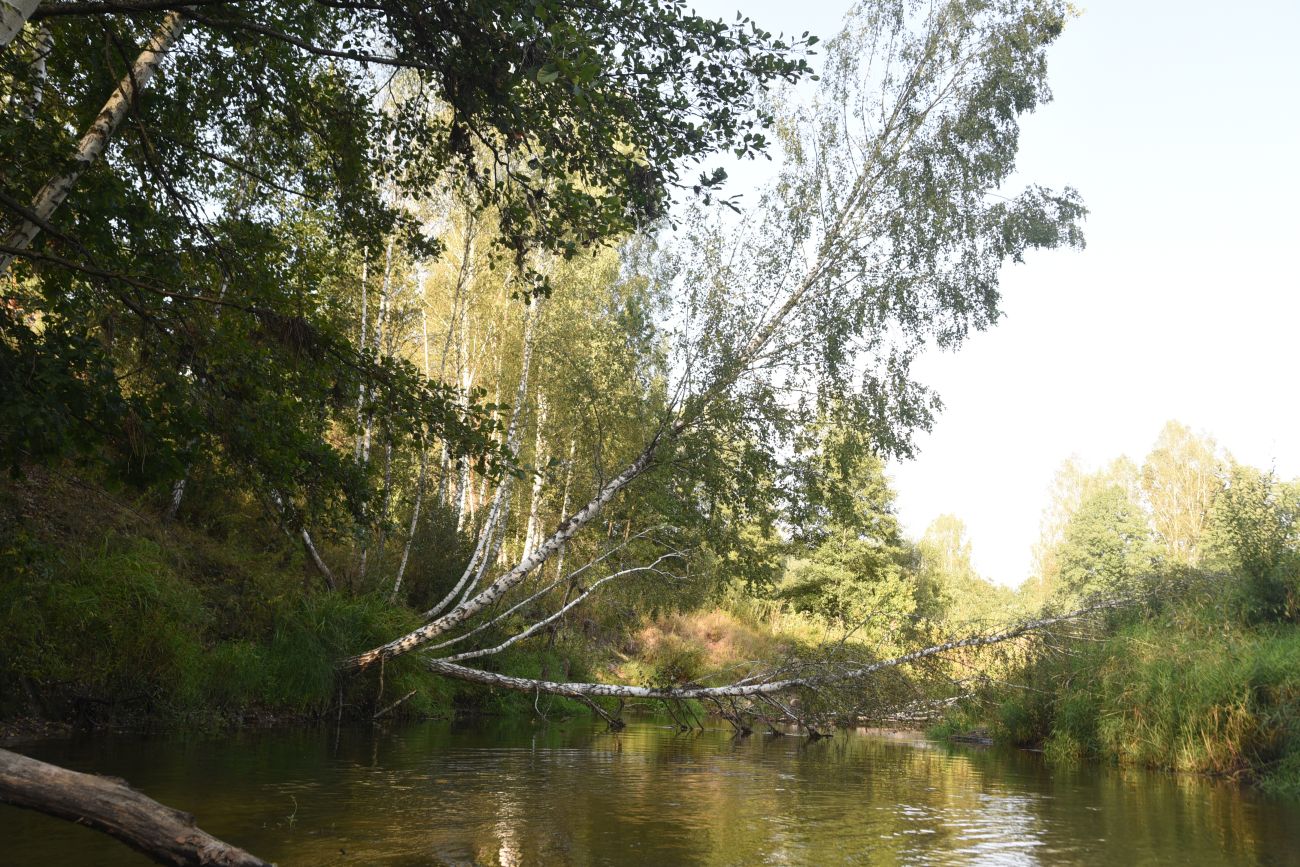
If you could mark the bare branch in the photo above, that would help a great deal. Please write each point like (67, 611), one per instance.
(107, 804)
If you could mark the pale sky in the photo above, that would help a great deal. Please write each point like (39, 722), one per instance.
(1179, 122)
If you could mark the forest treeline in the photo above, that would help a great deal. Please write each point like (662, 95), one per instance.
(382, 359)
(1200, 674)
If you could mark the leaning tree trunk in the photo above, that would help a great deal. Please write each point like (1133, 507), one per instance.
(823, 675)
(107, 804)
(95, 141)
(13, 17)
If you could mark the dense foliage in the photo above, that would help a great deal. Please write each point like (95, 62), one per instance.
(424, 310)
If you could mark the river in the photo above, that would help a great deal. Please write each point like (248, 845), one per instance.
(494, 793)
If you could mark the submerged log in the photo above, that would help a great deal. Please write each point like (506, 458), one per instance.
(108, 804)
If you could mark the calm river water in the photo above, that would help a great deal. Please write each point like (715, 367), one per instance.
(488, 793)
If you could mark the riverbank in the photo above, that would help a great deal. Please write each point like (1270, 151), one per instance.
(114, 617)
(1190, 688)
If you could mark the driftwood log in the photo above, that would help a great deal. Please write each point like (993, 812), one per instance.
(108, 804)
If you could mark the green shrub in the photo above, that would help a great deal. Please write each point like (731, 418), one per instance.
(114, 625)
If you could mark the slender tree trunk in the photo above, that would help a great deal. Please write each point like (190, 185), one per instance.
(178, 494)
(28, 106)
(444, 469)
(95, 141)
(318, 561)
(107, 804)
(308, 545)
(564, 505)
(462, 490)
(386, 497)
(424, 458)
(361, 389)
(534, 523)
(466, 383)
(415, 522)
(364, 444)
(370, 418)
(494, 528)
(13, 17)
(379, 341)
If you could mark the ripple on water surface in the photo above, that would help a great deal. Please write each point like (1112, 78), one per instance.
(496, 794)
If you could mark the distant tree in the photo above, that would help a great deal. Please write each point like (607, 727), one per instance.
(1254, 531)
(850, 561)
(1180, 479)
(947, 584)
(1107, 545)
(1071, 487)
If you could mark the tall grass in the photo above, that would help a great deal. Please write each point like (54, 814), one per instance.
(128, 629)
(1195, 694)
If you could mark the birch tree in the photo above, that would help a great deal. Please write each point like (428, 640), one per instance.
(1180, 479)
(880, 237)
(92, 145)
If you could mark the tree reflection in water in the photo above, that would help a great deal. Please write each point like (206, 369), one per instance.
(502, 794)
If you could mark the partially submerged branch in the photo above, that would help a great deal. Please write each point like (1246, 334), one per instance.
(107, 804)
(769, 687)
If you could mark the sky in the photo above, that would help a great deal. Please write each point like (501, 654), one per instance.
(1179, 122)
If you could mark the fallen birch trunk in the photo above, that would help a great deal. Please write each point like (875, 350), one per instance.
(751, 687)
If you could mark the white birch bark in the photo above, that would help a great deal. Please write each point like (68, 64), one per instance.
(178, 494)
(308, 545)
(564, 503)
(415, 523)
(385, 498)
(502, 585)
(424, 454)
(466, 384)
(490, 537)
(13, 18)
(317, 560)
(379, 341)
(564, 609)
(27, 104)
(534, 523)
(361, 389)
(96, 139)
(754, 687)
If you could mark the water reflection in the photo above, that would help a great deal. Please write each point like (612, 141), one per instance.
(496, 794)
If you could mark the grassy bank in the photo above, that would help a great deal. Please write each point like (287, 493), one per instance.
(1192, 688)
(112, 617)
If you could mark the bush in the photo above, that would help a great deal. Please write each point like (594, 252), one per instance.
(1184, 691)
(116, 626)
